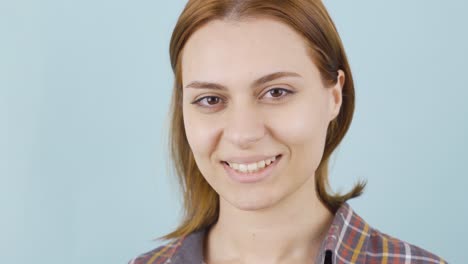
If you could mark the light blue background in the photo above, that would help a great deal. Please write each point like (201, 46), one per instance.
(84, 93)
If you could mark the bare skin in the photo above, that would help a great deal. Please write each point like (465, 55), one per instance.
(279, 219)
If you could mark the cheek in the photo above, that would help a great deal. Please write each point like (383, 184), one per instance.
(201, 133)
(303, 130)
(300, 123)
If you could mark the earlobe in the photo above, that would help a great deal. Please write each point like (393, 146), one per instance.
(337, 94)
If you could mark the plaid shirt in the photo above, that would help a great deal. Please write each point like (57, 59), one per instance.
(350, 240)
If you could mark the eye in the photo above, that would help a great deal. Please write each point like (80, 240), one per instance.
(210, 100)
(278, 93)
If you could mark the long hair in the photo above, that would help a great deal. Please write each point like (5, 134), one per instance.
(311, 20)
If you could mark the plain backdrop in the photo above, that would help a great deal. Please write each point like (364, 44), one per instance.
(84, 93)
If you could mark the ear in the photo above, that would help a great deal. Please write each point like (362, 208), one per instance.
(336, 95)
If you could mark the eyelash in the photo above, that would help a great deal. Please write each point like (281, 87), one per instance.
(286, 92)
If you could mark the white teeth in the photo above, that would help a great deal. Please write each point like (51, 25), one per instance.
(242, 167)
(252, 167)
(261, 164)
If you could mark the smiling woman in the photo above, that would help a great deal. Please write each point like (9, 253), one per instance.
(263, 95)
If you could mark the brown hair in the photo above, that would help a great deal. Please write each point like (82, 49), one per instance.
(310, 19)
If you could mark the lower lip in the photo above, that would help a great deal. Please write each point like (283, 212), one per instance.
(251, 177)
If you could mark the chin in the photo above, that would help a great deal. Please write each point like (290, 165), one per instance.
(253, 202)
(252, 206)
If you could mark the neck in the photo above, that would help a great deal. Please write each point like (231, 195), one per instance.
(291, 231)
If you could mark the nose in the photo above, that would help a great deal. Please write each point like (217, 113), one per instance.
(244, 126)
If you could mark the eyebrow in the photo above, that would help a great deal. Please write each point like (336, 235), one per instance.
(262, 80)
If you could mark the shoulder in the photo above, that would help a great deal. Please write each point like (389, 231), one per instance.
(353, 240)
(384, 248)
(160, 254)
(185, 249)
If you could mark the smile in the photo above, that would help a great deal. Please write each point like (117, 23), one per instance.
(251, 167)
(253, 172)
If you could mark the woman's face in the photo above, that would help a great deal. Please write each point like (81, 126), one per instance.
(242, 117)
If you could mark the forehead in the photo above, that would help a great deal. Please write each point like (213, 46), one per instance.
(227, 51)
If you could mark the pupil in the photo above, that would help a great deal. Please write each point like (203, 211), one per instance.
(212, 100)
(278, 92)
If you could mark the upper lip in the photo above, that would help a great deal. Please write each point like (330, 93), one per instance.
(248, 159)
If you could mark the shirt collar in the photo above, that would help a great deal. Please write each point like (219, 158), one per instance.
(347, 238)
(347, 231)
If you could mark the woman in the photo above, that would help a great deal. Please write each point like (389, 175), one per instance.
(263, 95)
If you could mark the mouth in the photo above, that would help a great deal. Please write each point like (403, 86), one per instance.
(252, 174)
(266, 161)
